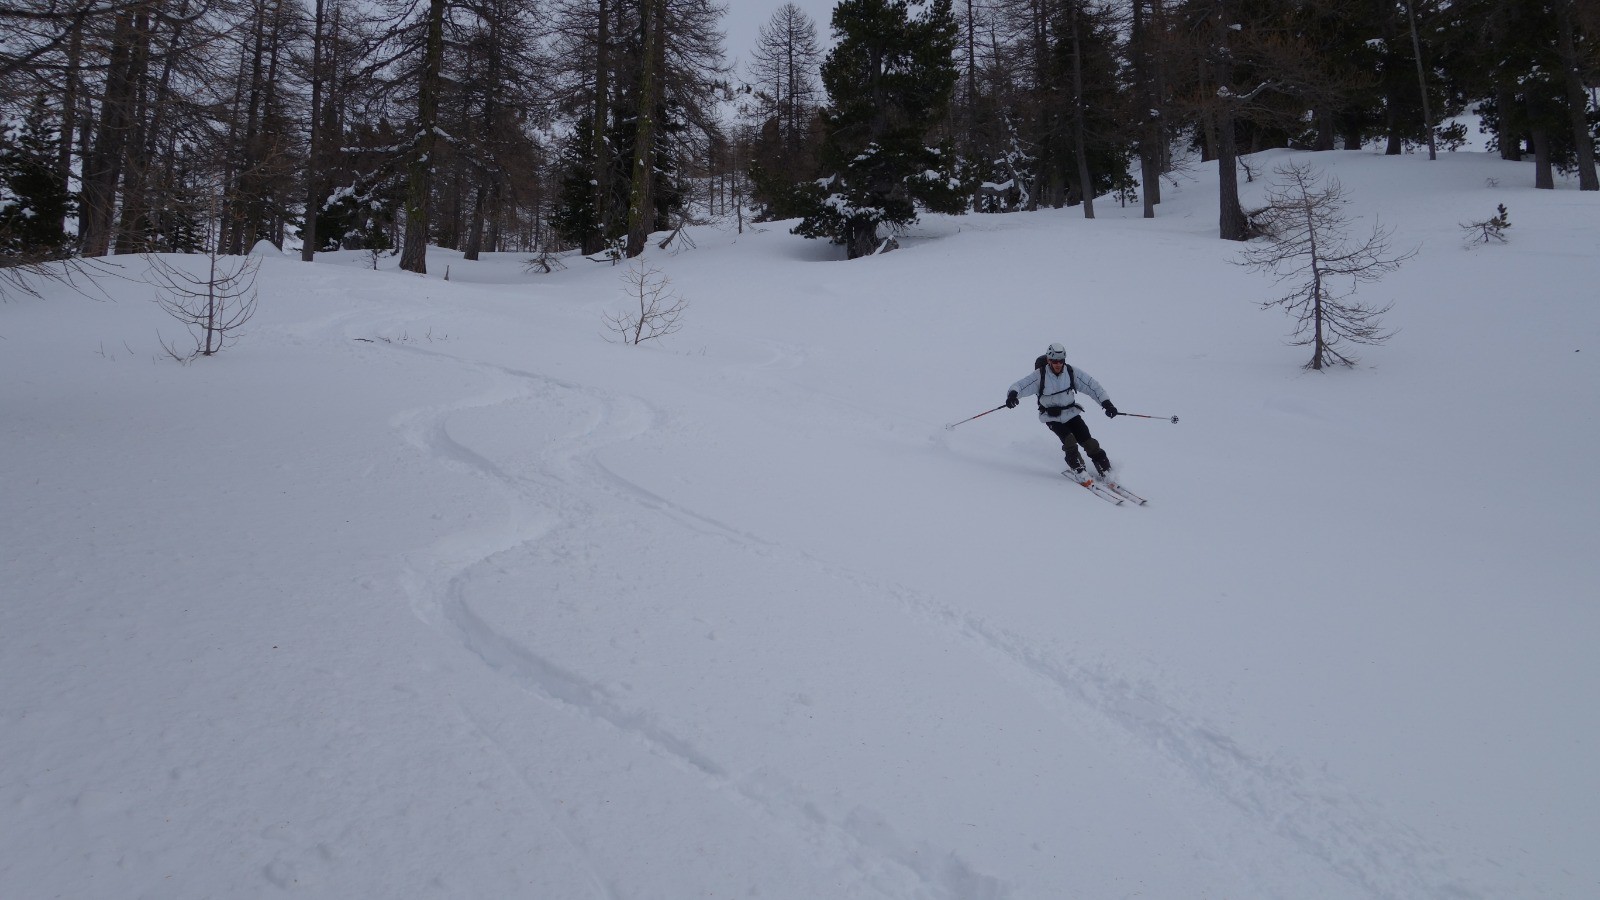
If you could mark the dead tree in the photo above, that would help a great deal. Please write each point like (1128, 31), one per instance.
(660, 310)
(1306, 247)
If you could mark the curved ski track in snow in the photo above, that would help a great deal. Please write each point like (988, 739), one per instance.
(880, 860)
(1319, 819)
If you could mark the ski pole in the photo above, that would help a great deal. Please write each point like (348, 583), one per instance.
(978, 416)
(1173, 419)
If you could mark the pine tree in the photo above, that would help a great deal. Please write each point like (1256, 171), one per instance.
(33, 197)
(889, 79)
(576, 219)
(1526, 57)
(360, 217)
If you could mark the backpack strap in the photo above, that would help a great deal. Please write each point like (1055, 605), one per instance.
(1072, 382)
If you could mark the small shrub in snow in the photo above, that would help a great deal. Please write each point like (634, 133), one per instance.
(659, 310)
(546, 261)
(1490, 230)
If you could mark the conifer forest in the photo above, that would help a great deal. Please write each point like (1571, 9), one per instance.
(140, 126)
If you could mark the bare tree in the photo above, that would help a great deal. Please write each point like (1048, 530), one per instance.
(1306, 246)
(783, 68)
(780, 122)
(660, 310)
(212, 304)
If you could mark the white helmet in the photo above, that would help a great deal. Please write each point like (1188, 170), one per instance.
(1055, 353)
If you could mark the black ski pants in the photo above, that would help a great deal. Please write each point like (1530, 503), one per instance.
(1073, 432)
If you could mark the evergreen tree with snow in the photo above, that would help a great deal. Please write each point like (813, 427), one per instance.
(34, 200)
(889, 77)
(576, 218)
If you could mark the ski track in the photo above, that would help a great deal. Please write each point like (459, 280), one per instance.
(879, 859)
(1314, 815)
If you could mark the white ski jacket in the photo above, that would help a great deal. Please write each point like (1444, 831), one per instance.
(1058, 401)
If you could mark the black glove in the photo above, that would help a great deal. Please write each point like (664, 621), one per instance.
(1011, 400)
(1110, 408)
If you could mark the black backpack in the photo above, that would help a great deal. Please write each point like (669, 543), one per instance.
(1072, 381)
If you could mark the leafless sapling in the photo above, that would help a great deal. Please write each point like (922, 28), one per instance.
(660, 310)
(213, 304)
(1306, 246)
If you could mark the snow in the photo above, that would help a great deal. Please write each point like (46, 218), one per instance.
(425, 589)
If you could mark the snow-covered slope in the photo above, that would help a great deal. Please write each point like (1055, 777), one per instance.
(427, 589)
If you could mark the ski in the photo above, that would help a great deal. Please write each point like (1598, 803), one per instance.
(1094, 487)
(1123, 492)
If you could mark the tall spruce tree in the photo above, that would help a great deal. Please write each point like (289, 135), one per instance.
(33, 196)
(889, 79)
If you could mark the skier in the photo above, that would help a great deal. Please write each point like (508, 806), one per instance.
(1056, 384)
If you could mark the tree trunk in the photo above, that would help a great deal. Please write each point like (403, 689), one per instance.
(599, 151)
(314, 176)
(245, 204)
(488, 169)
(1326, 128)
(1163, 135)
(103, 168)
(1232, 225)
(1047, 186)
(225, 216)
(862, 240)
(493, 214)
(69, 112)
(1543, 169)
(1150, 139)
(1352, 135)
(134, 219)
(1395, 145)
(1080, 145)
(1509, 135)
(149, 222)
(641, 194)
(1422, 82)
(475, 230)
(1577, 100)
(419, 181)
